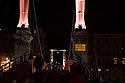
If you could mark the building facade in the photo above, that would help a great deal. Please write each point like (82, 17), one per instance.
(109, 50)
(106, 51)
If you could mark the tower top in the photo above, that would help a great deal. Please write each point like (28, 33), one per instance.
(80, 9)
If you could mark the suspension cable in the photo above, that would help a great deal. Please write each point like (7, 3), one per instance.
(37, 29)
(71, 38)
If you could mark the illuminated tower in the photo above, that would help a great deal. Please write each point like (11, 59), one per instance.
(80, 9)
(23, 19)
(23, 35)
(79, 38)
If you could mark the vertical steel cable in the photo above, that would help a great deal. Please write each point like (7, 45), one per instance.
(71, 38)
(37, 29)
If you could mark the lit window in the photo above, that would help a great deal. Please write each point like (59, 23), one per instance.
(80, 47)
(115, 60)
(99, 69)
(123, 60)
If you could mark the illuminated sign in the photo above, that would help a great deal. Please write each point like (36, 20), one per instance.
(80, 47)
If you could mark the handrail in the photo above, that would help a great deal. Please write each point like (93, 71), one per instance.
(78, 59)
(13, 63)
(82, 61)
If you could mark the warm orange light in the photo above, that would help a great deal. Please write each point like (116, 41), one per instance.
(5, 64)
(80, 47)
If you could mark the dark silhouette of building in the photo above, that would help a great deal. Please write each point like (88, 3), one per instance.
(109, 50)
(104, 53)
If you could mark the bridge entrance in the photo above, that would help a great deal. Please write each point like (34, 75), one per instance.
(58, 57)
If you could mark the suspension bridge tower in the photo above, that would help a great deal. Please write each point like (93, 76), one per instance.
(79, 34)
(82, 41)
(23, 35)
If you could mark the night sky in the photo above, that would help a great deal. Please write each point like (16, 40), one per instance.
(56, 17)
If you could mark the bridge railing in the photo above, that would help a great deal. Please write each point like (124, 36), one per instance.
(13, 63)
(87, 70)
